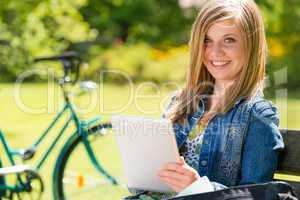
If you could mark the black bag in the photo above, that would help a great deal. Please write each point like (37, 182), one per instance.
(275, 190)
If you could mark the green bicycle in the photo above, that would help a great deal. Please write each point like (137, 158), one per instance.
(79, 172)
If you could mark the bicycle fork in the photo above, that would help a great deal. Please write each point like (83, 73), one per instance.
(94, 161)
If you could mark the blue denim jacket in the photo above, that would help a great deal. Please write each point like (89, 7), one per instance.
(240, 146)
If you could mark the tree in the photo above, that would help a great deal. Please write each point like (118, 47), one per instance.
(34, 28)
(154, 21)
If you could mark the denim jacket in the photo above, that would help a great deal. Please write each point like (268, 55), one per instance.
(240, 146)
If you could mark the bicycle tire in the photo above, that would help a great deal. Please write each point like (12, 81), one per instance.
(72, 182)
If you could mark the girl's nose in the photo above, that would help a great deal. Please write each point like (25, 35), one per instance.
(217, 50)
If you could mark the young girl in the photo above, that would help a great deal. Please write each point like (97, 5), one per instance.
(225, 129)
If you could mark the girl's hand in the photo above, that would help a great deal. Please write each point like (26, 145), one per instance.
(178, 175)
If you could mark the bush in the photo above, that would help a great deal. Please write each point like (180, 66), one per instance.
(141, 62)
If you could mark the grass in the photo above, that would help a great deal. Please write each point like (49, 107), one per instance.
(26, 112)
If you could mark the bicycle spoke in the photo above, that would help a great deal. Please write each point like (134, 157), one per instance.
(84, 183)
(72, 177)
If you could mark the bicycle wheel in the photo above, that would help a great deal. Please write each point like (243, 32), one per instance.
(75, 177)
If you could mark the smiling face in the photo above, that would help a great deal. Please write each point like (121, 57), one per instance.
(223, 51)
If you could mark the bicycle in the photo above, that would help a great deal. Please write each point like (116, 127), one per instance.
(71, 179)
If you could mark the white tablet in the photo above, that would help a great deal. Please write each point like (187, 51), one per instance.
(145, 145)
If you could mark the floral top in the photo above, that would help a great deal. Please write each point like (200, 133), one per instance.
(192, 147)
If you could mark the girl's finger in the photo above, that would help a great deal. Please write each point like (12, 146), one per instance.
(175, 185)
(174, 167)
(181, 160)
(179, 177)
(180, 169)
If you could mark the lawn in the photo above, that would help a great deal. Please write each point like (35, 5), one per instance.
(26, 111)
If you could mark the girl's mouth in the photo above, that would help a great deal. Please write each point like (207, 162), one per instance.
(220, 63)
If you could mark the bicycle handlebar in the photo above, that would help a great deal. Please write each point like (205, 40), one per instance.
(64, 56)
(70, 61)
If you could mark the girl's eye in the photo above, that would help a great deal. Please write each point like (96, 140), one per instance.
(206, 40)
(230, 40)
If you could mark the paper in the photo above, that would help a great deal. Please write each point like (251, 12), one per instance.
(200, 186)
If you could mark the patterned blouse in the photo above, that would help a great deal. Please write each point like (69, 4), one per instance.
(190, 151)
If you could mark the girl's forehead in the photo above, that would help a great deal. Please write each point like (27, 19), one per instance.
(224, 27)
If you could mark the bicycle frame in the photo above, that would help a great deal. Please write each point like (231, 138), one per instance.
(11, 152)
(81, 129)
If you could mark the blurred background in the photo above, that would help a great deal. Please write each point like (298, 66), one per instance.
(136, 36)
(145, 39)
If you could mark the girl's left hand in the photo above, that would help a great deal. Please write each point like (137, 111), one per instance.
(178, 175)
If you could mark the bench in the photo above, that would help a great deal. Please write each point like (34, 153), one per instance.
(289, 159)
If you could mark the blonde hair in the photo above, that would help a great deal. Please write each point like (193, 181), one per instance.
(246, 15)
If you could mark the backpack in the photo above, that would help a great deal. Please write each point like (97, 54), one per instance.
(275, 190)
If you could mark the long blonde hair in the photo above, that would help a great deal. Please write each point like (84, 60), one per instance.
(199, 81)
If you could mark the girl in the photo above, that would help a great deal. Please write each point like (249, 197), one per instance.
(225, 129)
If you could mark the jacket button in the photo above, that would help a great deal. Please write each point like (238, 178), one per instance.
(203, 162)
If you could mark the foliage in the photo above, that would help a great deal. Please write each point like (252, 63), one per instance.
(282, 19)
(139, 62)
(154, 21)
(32, 28)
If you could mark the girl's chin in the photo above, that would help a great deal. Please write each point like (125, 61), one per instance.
(220, 74)
(224, 77)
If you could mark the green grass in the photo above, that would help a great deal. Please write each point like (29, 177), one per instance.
(25, 115)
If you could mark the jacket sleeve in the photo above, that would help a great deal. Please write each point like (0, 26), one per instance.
(262, 144)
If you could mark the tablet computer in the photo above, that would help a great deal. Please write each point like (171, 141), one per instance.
(145, 145)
